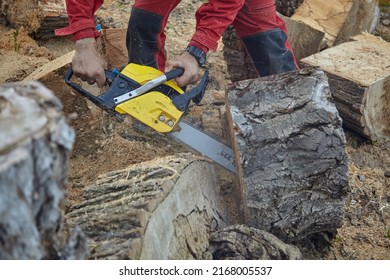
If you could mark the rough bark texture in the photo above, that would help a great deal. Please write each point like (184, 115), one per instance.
(287, 7)
(164, 209)
(39, 17)
(34, 150)
(290, 147)
(359, 80)
(240, 242)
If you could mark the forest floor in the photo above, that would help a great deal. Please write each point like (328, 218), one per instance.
(104, 143)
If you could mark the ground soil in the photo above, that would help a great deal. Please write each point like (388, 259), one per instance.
(104, 143)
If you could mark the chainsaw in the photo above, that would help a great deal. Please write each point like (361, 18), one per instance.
(153, 98)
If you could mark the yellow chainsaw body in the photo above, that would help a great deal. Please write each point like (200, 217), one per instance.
(154, 108)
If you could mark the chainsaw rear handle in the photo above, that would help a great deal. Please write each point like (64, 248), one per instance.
(110, 76)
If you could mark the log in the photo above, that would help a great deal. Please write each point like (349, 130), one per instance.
(163, 209)
(39, 18)
(290, 153)
(359, 79)
(34, 152)
(338, 19)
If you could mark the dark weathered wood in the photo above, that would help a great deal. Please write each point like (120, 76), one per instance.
(287, 7)
(39, 18)
(290, 150)
(35, 144)
(164, 209)
(359, 80)
(240, 242)
(113, 47)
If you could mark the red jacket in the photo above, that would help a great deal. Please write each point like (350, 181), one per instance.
(212, 19)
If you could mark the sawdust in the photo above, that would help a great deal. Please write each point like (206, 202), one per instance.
(105, 143)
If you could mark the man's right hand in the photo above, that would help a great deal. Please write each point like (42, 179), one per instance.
(87, 63)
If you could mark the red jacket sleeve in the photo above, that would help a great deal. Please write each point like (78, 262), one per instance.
(81, 19)
(212, 19)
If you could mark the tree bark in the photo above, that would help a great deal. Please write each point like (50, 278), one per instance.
(34, 150)
(359, 81)
(39, 18)
(290, 154)
(164, 209)
(240, 242)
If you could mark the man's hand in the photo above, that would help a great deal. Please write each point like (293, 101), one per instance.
(87, 63)
(190, 66)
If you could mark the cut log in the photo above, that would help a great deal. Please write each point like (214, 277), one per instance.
(164, 209)
(359, 78)
(39, 18)
(338, 19)
(35, 145)
(304, 41)
(290, 154)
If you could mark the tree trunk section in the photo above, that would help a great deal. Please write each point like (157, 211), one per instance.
(34, 151)
(359, 79)
(164, 209)
(290, 154)
(40, 18)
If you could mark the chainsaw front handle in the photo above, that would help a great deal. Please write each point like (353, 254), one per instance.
(110, 76)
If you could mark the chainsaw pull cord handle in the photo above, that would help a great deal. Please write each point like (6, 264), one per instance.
(110, 76)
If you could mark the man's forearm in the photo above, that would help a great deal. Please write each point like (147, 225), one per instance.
(81, 19)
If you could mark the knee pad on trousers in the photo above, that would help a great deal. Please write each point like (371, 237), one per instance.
(142, 37)
(269, 53)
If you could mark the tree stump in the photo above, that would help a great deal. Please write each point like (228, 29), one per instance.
(290, 154)
(163, 209)
(35, 145)
(359, 79)
(40, 18)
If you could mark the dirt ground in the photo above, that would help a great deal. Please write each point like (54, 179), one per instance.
(105, 143)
